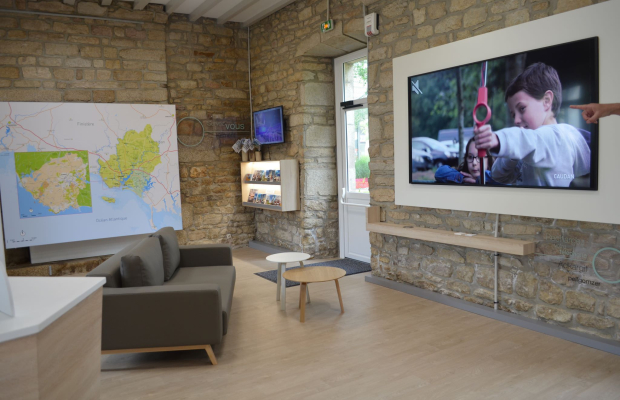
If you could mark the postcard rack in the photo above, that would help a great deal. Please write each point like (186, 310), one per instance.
(278, 181)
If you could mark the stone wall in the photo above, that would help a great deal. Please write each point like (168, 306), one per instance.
(545, 286)
(304, 85)
(199, 67)
(59, 59)
(208, 80)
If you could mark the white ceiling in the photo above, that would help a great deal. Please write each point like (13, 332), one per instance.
(246, 12)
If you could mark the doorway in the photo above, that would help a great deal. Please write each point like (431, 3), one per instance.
(351, 78)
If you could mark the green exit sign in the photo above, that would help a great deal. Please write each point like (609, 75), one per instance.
(327, 25)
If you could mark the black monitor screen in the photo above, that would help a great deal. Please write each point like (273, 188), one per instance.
(532, 138)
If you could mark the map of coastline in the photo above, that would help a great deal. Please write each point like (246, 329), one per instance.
(57, 180)
(137, 155)
(82, 163)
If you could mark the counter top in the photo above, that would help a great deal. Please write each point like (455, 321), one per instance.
(39, 301)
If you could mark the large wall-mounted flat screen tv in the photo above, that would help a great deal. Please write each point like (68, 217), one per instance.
(269, 126)
(531, 137)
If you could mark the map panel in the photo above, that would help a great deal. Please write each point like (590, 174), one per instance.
(72, 172)
(52, 183)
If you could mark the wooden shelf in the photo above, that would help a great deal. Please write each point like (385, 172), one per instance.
(287, 188)
(490, 243)
(262, 183)
(265, 206)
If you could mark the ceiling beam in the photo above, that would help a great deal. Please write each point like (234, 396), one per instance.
(173, 5)
(106, 2)
(236, 10)
(203, 8)
(266, 12)
(140, 4)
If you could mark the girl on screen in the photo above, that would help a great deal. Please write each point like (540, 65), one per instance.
(468, 171)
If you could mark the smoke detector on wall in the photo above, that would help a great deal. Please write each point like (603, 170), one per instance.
(371, 24)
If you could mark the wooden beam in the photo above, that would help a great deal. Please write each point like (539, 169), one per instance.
(202, 9)
(236, 10)
(140, 4)
(106, 2)
(173, 5)
(266, 12)
(69, 2)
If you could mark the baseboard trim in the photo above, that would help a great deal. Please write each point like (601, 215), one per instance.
(595, 342)
(266, 247)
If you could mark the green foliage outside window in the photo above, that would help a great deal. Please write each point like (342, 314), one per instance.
(362, 170)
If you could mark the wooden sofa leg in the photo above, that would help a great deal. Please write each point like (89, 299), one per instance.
(211, 355)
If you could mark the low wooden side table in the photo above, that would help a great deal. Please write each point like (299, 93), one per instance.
(307, 275)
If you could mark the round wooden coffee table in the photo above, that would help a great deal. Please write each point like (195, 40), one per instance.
(307, 275)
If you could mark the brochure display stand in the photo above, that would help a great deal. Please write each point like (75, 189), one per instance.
(271, 185)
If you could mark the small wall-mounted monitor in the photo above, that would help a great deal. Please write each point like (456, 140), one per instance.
(269, 126)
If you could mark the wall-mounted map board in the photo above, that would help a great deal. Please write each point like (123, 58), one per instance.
(72, 172)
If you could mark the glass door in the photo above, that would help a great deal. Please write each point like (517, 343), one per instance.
(353, 159)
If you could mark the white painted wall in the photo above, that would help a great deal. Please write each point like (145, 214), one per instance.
(600, 20)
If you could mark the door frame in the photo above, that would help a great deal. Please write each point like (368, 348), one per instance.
(341, 142)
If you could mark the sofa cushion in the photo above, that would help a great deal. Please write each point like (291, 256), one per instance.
(170, 250)
(143, 265)
(111, 268)
(223, 275)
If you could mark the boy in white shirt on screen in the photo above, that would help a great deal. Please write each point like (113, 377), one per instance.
(537, 151)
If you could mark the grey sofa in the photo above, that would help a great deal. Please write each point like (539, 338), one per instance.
(189, 310)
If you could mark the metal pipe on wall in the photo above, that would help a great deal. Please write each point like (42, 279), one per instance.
(250, 87)
(496, 255)
(70, 16)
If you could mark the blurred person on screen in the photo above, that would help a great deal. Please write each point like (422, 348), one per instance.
(538, 151)
(593, 112)
(468, 171)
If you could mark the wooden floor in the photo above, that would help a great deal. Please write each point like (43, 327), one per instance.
(387, 345)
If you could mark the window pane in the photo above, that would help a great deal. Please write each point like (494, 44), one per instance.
(358, 170)
(356, 79)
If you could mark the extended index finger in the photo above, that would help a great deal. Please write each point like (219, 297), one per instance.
(580, 107)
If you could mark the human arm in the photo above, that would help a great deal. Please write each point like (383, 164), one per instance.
(469, 178)
(592, 112)
(446, 174)
(536, 147)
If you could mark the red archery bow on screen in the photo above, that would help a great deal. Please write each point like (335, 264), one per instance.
(483, 98)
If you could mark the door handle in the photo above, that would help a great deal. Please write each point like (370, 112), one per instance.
(342, 198)
(345, 105)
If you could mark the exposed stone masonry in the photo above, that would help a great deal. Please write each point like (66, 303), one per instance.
(57, 59)
(200, 67)
(208, 80)
(542, 286)
(304, 85)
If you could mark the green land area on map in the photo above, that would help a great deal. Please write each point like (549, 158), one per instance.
(137, 155)
(56, 179)
(108, 199)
